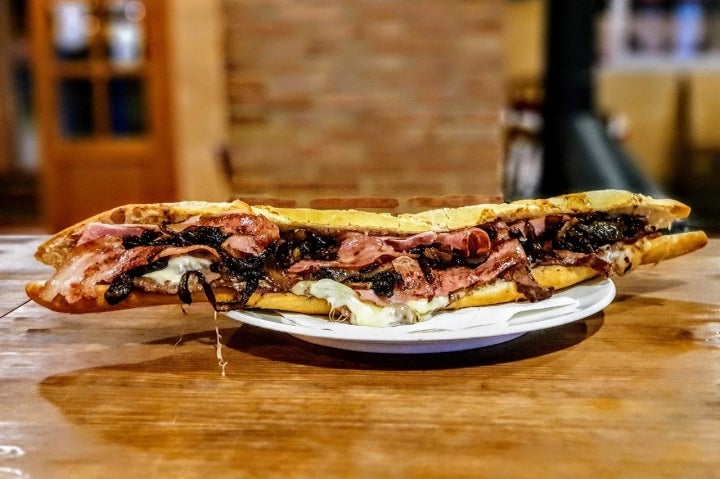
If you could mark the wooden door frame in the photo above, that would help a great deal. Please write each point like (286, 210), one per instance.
(7, 110)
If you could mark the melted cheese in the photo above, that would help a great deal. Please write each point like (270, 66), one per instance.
(366, 314)
(177, 266)
(622, 258)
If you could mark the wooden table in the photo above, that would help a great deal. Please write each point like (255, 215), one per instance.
(630, 392)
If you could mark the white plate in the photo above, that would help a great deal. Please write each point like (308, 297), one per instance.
(468, 328)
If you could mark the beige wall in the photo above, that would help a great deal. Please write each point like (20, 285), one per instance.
(648, 102)
(523, 44)
(198, 98)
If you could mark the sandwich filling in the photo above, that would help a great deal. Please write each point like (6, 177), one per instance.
(400, 278)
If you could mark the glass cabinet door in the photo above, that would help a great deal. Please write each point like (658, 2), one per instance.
(100, 51)
(102, 100)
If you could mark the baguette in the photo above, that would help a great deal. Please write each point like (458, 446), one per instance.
(490, 237)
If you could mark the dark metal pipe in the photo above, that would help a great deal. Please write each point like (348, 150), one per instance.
(578, 154)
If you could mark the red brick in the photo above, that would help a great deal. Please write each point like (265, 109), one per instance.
(403, 94)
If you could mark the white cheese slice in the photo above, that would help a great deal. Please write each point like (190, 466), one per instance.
(366, 314)
(176, 267)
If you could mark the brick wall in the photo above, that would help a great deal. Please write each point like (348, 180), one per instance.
(364, 98)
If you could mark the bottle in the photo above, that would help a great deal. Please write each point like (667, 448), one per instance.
(688, 28)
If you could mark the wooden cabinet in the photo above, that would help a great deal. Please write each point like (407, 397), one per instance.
(102, 104)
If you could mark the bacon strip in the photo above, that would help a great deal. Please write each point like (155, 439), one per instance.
(406, 244)
(92, 263)
(67, 280)
(99, 256)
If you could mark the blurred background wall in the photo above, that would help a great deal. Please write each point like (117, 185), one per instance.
(657, 70)
(291, 102)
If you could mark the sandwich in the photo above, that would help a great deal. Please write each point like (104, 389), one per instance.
(361, 267)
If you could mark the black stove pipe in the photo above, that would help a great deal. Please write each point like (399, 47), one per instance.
(578, 153)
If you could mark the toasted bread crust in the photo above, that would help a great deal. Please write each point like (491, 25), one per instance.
(660, 212)
(671, 246)
(140, 299)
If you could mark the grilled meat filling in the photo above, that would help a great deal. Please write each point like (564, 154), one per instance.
(419, 266)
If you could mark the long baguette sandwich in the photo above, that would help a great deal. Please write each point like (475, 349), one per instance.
(361, 267)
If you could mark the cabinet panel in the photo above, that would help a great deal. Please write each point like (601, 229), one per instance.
(100, 188)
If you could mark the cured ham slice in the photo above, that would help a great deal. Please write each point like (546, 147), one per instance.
(469, 241)
(94, 231)
(249, 234)
(358, 250)
(507, 256)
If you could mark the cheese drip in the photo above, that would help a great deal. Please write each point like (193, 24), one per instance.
(366, 314)
(176, 267)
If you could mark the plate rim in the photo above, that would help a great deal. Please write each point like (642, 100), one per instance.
(593, 296)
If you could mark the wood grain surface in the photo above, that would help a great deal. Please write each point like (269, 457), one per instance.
(631, 392)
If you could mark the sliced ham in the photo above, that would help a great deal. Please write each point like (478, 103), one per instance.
(192, 221)
(508, 258)
(469, 242)
(406, 244)
(369, 296)
(94, 231)
(413, 280)
(250, 234)
(538, 225)
(242, 245)
(529, 228)
(196, 250)
(508, 255)
(570, 258)
(244, 224)
(357, 250)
